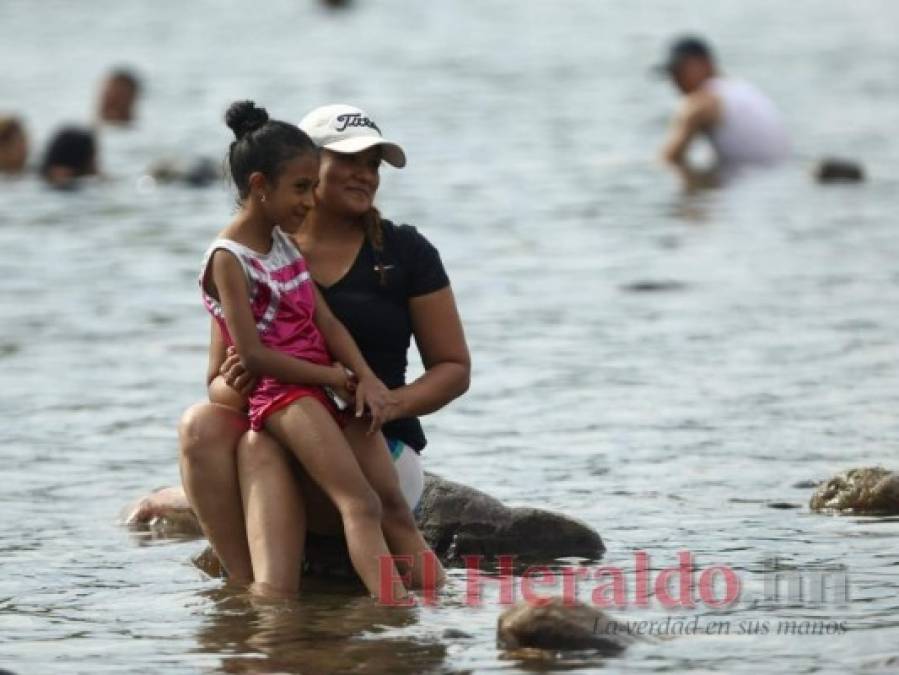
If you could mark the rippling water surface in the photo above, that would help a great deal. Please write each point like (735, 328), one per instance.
(666, 419)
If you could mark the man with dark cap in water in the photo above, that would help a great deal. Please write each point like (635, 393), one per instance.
(742, 124)
(71, 154)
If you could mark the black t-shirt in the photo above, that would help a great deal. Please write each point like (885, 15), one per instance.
(372, 301)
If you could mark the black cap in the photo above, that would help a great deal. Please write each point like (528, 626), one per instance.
(682, 48)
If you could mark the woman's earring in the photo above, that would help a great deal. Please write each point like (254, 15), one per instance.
(262, 198)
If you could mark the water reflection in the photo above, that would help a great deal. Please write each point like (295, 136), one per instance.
(331, 629)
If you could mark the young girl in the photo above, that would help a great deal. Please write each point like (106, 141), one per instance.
(256, 286)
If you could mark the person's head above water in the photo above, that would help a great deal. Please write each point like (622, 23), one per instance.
(13, 145)
(353, 149)
(71, 154)
(689, 63)
(118, 95)
(274, 164)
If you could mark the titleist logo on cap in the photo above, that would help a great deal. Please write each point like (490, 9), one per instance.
(354, 120)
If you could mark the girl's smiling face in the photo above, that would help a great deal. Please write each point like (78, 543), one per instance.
(348, 183)
(290, 198)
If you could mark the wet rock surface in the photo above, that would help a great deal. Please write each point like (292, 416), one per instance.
(559, 626)
(865, 490)
(456, 520)
(163, 514)
(839, 170)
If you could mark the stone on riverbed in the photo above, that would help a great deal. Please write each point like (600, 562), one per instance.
(555, 625)
(163, 514)
(455, 519)
(836, 170)
(867, 490)
(458, 520)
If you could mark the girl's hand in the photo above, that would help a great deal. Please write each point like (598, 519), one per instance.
(372, 394)
(235, 375)
(345, 383)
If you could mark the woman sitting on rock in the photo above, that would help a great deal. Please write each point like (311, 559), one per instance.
(385, 283)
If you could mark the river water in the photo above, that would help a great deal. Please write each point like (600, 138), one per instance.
(668, 420)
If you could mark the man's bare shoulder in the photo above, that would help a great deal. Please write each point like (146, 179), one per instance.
(701, 109)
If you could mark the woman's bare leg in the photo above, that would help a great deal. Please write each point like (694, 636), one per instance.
(317, 442)
(274, 512)
(397, 521)
(208, 435)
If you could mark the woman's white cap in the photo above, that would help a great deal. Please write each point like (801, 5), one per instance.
(346, 129)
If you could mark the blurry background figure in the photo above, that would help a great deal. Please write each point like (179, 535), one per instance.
(118, 96)
(13, 145)
(337, 4)
(71, 154)
(742, 124)
(198, 172)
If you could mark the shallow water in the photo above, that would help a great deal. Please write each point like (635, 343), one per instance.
(667, 419)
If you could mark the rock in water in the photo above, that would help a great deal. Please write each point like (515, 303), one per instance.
(868, 490)
(164, 513)
(557, 626)
(833, 170)
(455, 519)
(458, 520)
(653, 286)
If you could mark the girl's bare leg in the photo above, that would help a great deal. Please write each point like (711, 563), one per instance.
(208, 435)
(317, 442)
(397, 521)
(274, 512)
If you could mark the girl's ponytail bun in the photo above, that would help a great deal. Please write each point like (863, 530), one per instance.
(243, 117)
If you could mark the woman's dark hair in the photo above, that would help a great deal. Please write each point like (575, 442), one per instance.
(261, 144)
(374, 232)
(71, 148)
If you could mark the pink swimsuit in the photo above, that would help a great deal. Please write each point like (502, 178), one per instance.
(283, 304)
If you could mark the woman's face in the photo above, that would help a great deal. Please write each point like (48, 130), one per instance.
(288, 200)
(348, 183)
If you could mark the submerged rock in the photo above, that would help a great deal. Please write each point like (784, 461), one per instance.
(867, 490)
(196, 172)
(163, 514)
(834, 170)
(557, 626)
(455, 519)
(783, 505)
(653, 286)
(806, 484)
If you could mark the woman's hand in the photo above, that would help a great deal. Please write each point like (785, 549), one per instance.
(373, 395)
(236, 375)
(396, 406)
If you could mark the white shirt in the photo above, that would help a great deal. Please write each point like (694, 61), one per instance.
(750, 130)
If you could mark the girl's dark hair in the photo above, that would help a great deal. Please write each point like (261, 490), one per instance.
(261, 144)
(73, 148)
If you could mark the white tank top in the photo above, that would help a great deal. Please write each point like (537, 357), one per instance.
(750, 130)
